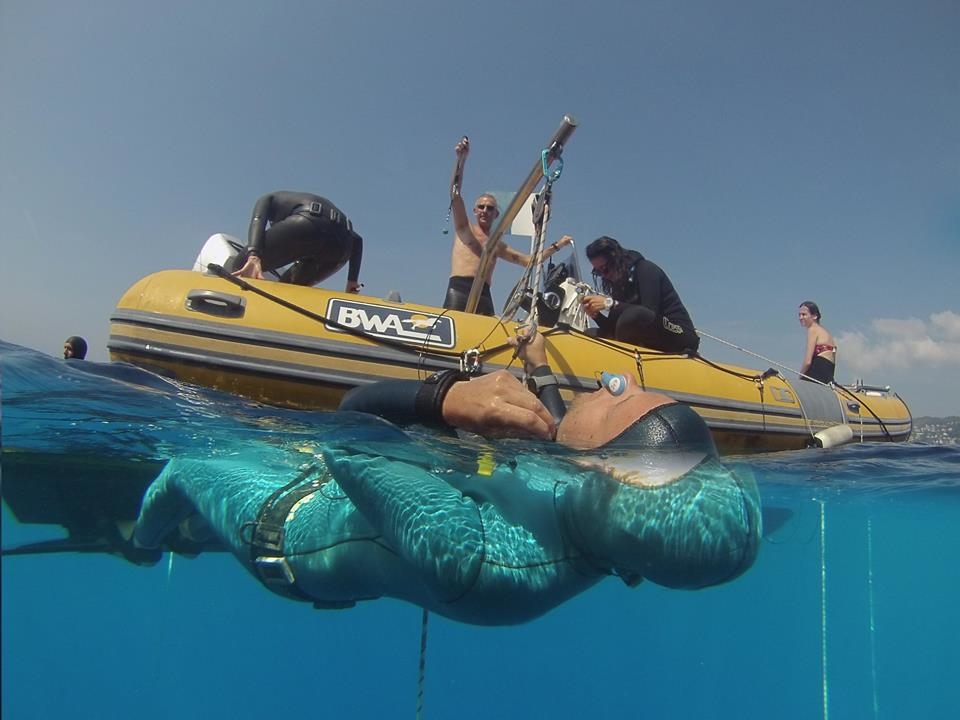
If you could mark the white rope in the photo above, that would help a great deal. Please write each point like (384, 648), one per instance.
(872, 616)
(772, 363)
(823, 611)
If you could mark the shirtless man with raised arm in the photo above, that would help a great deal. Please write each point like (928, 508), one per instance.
(470, 239)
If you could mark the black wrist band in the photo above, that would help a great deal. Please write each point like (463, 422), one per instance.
(428, 405)
(540, 378)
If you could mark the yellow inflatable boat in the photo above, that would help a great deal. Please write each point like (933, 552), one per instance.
(305, 347)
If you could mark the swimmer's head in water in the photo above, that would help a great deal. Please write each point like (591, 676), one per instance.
(74, 347)
(596, 419)
(640, 438)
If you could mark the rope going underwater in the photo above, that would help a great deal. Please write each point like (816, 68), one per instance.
(423, 661)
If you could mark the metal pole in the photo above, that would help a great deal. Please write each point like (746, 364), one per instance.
(555, 149)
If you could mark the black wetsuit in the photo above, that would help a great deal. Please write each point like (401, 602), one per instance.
(649, 311)
(304, 229)
(458, 291)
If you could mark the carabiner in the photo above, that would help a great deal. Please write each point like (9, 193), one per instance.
(544, 162)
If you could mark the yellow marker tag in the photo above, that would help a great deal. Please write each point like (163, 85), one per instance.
(485, 464)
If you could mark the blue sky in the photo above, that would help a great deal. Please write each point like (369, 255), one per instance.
(762, 152)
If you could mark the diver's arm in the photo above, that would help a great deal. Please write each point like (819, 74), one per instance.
(461, 222)
(252, 266)
(518, 258)
(495, 405)
(393, 400)
(547, 390)
(532, 349)
(408, 402)
(356, 258)
(258, 224)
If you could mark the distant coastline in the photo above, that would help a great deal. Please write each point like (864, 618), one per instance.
(936, 430)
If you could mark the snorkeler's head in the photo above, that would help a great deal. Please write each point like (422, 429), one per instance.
(658, 471)
(621, 414)
(74, 347)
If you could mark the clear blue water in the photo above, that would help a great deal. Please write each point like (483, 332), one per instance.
(849, 612)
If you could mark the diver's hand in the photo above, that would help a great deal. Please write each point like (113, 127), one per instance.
(497, 405)
(354, 286)
(251, 268)
(531, 348)
(593, 304)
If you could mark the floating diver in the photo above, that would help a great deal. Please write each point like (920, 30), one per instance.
(334, 508)
(502, 540)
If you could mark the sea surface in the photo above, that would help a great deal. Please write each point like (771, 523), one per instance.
(852, 609)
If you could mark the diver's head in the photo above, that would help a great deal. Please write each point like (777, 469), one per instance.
(621, 414)
(74, 347)
(673, 513)
(640, 438)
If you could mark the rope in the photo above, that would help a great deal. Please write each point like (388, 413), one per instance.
(823, 611)
(773, 363)
(423, 661)
(395, 344)
(873, 623)
(856, 398)
(833, 386)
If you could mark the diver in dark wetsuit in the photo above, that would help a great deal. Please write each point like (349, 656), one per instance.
(306, 230)
(642, 306)
(376, 511)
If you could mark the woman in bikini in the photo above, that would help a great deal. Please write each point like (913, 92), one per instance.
(820, 360)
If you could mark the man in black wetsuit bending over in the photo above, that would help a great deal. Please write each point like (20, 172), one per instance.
(306, 230)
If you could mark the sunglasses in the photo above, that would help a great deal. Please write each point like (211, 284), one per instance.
(602, 270)
(491, 208)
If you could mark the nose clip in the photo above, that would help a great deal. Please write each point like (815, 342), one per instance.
(613, 382)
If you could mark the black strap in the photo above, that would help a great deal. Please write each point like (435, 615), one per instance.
(266, 542)
(328, 212)
(428, 405)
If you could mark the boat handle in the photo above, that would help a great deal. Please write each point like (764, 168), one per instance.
(216, 303)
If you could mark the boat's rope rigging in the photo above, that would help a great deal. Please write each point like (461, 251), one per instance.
(553, 152)
(836, 387)
(760, 379)
(534, 269)
(396, 344)
(455, 186)
(773, 363)
(470, 360)
(857, 399)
